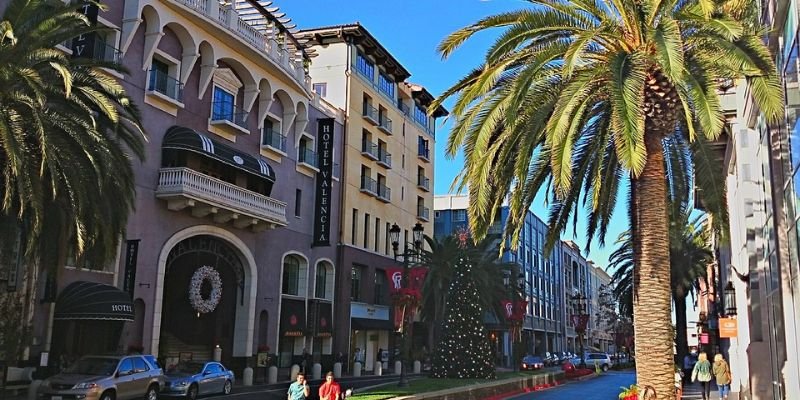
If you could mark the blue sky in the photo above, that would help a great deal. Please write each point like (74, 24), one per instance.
(411, 31)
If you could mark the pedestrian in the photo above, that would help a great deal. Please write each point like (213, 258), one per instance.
(330, 390)
(688, 365)
(722, 374)
(702, 374)
(299, 389)
(305, 361)
(358, 356)
(678, 383)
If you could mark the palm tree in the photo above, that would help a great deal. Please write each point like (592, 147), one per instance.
(578, 96)
(67, 134)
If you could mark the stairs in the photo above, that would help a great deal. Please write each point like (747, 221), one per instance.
(171, 346)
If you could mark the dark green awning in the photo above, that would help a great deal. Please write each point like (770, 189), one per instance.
(182, 138)
(92, 300)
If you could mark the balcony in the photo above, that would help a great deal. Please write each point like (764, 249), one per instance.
(384, 193)
(423, 152)
(369, 150)
(273, 139)
(370, 114)
(231, 116)
(384, 158)
(224, 16)
(225, 202)
(385, 124)
(423, 213)
(369, 185)
(308, 157)
(165, 85)
(424, 183)
(106, 52)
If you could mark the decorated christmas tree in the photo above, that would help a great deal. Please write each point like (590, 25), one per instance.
(464, 351)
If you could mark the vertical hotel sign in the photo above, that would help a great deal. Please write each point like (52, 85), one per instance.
(322, 211)
(84, 45)
(131, 258)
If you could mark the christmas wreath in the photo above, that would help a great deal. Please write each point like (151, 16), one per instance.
(202, 274)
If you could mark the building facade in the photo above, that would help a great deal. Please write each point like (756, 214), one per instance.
(543, 328)
(387, 180)
(225, 254)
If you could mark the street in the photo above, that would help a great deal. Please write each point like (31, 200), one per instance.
(605, 387)
(272, 393)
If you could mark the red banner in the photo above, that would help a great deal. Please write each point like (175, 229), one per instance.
(395, 277)
(514, 311)
(508, 308)
(416, 277)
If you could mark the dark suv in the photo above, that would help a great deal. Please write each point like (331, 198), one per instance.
(106, 378)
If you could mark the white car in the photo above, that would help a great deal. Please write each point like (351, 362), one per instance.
(600, 359)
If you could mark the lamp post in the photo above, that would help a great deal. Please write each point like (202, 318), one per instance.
(579, 319)
(515, 324)
(394, 236)
(729, 295)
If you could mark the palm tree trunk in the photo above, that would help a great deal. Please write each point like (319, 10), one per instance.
(681, 341)
(652, 298)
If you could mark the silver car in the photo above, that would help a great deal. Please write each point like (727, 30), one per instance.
(106, 378)
(194, 378)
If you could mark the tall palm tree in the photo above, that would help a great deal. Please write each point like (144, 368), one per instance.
(67, 134)
(578, 96)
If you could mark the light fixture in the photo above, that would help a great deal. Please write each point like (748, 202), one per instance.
(730, 299)
(394, 237)
(418, 234)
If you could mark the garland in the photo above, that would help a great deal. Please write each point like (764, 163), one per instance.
(196, 299)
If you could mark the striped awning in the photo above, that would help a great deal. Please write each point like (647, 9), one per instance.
(182, 138)
(91, 300)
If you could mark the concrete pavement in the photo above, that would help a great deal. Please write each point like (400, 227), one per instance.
(604, 387)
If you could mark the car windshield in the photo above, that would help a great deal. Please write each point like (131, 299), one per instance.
(533, 359)
(187, 368)
(94, 366)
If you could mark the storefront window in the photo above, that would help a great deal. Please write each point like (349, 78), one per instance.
(791, 79)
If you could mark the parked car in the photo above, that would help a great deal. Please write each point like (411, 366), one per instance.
(601, 359)
(194, 378)
(106, 378)
(532, 363)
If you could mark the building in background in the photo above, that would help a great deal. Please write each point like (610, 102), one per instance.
(227, 194)
(544, 324)
(601, 338)
(387, 177)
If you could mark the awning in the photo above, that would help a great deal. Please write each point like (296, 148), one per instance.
(91, 300)
(367, 324)
(182, 138)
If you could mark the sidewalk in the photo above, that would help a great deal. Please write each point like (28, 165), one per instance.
(693, 391)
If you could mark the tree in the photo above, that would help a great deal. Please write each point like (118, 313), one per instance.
(586, 97)
(67, 133)
(464, 351)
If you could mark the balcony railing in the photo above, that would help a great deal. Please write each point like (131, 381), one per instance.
(384, 158)
(308, 157)
(225, 16)
(369, 185)
(106, 52)
(370, 113)
(403, 107)
(225, 113)
(274, 139)
(184, 187)
(384, 193)
(385, 124)
(369, 149)
(423, 213)
(424, 183)
(161, 82)
(424, 152)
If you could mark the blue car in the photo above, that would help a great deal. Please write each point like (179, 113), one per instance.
(195, 378)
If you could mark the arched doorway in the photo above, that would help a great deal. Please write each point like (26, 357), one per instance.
(190, 331)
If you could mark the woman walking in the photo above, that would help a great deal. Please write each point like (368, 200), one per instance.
(722, 373)
(702, 373)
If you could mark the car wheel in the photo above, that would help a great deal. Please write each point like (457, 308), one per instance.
(605, 367)
(107, 395)
(227, 388)
(191, 393)
(152, 393)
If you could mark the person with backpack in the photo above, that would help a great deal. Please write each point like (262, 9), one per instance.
(702, 373)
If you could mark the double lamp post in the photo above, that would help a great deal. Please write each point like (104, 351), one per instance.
(580, 318)
(409, 256)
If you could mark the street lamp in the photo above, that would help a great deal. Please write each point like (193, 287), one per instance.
(515, 317)
(729, 294)
(579, 319)
(394, 237)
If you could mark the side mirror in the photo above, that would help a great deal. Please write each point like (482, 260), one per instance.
(124, 373)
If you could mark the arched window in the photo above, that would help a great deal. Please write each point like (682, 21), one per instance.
(291, 276)
(323, 283)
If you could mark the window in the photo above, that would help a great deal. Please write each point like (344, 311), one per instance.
(366, 231)
(380, 287)
(298, 195)
(291, 276)
(365, 66)
(162, 82)
(321, 89)
(323, 280)
(354, 227)
(386, 239)
(421, 115)
(377, 233)
(139, 365)
(214, 368)
(459, 215)
(126, 365)
(386, 85)
(223, 105)
(437, 214)
(355, 283)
